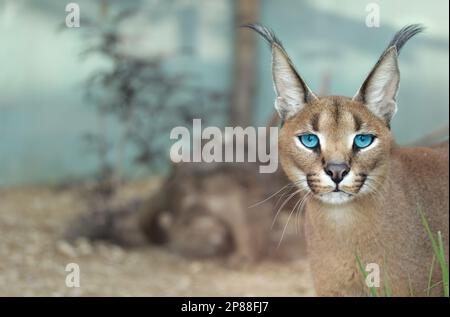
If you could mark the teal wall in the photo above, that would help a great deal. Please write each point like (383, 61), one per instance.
(43, 114)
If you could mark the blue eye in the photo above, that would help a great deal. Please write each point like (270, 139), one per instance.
(363, 140)
(309, 140)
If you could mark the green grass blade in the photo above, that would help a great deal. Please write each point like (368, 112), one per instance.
(429, 233)
(438, 251)
(387, 286)
(373, 290)
(430, 275)
(443, 264)
(436, 284)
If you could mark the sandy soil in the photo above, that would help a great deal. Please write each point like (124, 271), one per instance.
(33, 258)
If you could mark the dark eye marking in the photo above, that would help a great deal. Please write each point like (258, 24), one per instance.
(336, 113)
(315, 122)
(358, 122)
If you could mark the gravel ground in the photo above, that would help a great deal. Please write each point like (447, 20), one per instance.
(33, 258)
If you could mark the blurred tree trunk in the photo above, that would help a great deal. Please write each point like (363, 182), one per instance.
(245, 63)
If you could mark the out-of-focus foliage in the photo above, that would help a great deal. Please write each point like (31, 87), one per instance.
(145, 99)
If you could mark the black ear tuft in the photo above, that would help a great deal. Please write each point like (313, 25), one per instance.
(265, 32)
(402, 36)
(292, 92)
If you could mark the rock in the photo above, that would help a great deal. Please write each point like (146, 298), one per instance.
(83, 246)
(66, 249)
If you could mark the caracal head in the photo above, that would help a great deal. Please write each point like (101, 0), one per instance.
(336, 148)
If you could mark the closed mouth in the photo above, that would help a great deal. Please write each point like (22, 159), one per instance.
(337, 190)
(336, 197)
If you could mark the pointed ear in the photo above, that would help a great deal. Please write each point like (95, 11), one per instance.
(379, 90)
(292, 92)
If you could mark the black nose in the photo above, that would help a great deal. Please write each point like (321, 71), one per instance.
(337, 172)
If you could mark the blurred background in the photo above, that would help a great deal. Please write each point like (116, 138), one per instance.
(85, 117)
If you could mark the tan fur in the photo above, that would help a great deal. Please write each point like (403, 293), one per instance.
(380, 222)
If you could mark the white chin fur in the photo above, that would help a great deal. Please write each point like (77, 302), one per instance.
(335, 198)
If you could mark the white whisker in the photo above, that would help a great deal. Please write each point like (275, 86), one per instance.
(271, 196)
(284, 203)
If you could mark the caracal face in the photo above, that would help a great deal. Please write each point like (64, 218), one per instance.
(335, 171)
(336, 148)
